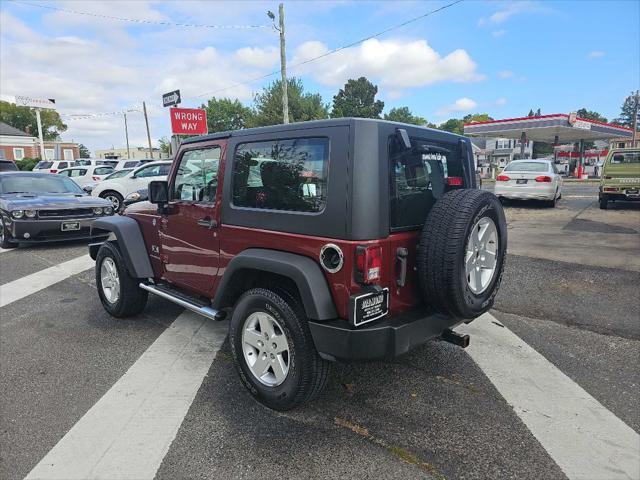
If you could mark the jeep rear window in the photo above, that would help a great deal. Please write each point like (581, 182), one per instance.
(418, 179)
(626, 157)
(288, 175)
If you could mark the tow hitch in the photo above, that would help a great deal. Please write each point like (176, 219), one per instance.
(455, 338)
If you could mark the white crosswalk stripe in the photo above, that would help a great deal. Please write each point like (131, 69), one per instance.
(25, 286)
(585, 439)
(127, 433)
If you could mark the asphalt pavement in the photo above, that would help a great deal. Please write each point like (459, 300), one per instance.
(437, 412)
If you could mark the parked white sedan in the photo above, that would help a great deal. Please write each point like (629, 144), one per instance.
(87, 175)
(116, 189)
(530, 180)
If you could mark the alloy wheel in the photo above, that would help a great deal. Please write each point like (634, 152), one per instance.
(481, 255)
(265, 349)
(110, 280)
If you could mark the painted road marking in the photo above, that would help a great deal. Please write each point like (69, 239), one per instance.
(25, 286)
(127, 433)
(585, 439)
(3, 250)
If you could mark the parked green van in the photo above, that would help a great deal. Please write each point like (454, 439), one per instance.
(620, 176)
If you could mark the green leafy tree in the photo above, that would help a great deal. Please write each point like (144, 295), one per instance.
(477, 117)
(84, 151)
(357, 99)
(628, 110)
(24, 118)
(453, 125)
(303, 105)
(534, 114)
(225, 114)
(165, 145)
(404, 115)
(591, 115)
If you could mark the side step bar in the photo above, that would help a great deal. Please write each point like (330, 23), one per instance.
(183, 301)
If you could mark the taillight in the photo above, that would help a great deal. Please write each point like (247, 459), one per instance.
(96, 178)
(368, 263)
(502, 178)
(543, 178)
(54, 171)
(454, 181)
(611, 189)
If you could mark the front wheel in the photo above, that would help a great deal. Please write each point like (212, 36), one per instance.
(115, 198)
(119, 292)
(5, 242)
(273, 350)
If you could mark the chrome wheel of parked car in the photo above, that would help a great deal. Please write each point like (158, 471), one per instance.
(110, 280)
(265, 348)
(115, 199)
(481, 255)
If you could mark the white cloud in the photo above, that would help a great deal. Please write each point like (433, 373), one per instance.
(510, 9)
(501, 102)
(394, 64)
(595, 54)
(498, 33)
(258, 57)
(506, 74)
(463, 104)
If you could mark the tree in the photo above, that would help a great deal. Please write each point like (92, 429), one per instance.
(591, 115)
(225, 114)
(165, 145)
(357, 99)
(24, 118)
(84, 151)
(477, 117)
(628, 110)
(303, 105)
(454, 125)
(534, 114)
(404, 115)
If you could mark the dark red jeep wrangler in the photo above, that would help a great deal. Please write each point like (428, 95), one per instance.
(343, 239)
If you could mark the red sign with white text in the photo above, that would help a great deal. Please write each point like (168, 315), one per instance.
(188, 121)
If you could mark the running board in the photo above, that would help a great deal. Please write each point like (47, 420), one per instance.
(184, 301)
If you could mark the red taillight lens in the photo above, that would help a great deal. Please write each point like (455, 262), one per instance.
(454, 181)
(54, 171)
(502, 178)
(543, 178)
(368, 263)
(611, 189)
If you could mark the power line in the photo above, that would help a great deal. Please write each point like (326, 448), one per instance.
(326, 54)
(140, 20)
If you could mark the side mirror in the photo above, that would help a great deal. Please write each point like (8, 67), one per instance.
(159, 192)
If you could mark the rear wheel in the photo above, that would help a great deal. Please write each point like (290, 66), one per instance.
(273, 350)
(115, 198)
(119, 292)
(462, 252)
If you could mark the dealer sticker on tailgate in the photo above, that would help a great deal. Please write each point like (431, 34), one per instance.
(366, 307)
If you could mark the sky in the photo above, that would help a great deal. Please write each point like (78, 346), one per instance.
(497, 57)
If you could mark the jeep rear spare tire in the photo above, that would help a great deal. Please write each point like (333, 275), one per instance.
(462, 252)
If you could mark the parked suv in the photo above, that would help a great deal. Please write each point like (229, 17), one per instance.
(620, 177)
(332, 240)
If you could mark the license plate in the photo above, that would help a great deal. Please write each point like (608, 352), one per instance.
(521, 181)
(70, 226)
(367, 307)
(633, 191)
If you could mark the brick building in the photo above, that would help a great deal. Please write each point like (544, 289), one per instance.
(16, 145)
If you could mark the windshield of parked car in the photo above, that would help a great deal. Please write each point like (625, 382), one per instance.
(119, 173)
(38, 183)
(527, 167)
(626, 157)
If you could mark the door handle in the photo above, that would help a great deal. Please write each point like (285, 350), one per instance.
(207, 223)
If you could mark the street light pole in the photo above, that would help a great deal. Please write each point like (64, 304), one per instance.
(283, 61)
(146, 121)
(40, 136)
(126, 134)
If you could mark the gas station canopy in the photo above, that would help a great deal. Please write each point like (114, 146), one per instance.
(556, 128)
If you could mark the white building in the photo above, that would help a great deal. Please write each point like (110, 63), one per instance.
(135, 153)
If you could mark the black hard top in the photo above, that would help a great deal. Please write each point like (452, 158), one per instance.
(331, 122)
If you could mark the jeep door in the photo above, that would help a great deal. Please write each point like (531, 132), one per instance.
(189, 243)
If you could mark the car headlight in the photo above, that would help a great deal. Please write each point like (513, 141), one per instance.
(17, 214)
(108, 210)
(97, 210)
(30, 213)
(134, 196)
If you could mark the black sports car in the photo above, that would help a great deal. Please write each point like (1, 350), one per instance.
(43, 207)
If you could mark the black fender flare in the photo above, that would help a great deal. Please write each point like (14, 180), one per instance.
(303, 271)
(130, 242)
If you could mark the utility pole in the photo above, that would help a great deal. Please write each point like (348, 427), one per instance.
(126, 134)
(146, 121)
(39, 121)
(635, 118)
(283, 61)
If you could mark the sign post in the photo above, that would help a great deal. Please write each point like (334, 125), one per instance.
(171, 99)
(38, 104)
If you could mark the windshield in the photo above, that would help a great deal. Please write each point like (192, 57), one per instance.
(38, 184)
(626, 157)
(118, 174)
(527, 167)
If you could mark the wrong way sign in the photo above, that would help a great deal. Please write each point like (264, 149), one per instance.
(188, 121)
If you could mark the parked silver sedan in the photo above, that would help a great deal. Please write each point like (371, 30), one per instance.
(530, 180)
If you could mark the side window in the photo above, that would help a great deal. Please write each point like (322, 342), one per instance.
(66, 173)
(63, 165)
(103, 170)
(282, 174)
(164, 169)
(197, 176)
(78, 172)
(148, 172)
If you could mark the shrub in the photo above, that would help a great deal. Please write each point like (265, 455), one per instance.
(27, 163)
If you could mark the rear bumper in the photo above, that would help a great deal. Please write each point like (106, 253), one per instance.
(387, 338)
(525, 192)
